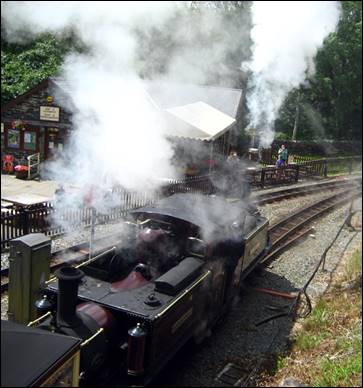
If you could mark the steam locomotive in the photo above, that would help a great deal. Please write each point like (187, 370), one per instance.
(122, 316)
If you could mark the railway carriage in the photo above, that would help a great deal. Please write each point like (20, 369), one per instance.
(174, 275)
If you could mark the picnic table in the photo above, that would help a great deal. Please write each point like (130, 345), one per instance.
(25, 200)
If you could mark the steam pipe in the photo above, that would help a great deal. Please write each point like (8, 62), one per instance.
(68, 280)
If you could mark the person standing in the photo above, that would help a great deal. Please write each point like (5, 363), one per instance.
(283, 154)
(233, 173)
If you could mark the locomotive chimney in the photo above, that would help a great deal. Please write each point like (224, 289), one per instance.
(68, 280)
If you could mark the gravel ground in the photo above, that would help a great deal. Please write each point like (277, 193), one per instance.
(236, 338)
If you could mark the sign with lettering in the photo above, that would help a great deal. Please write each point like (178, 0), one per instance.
(2, 127)
(49, 113)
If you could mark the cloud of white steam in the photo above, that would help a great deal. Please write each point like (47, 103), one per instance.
(286, 36)
(118, 133)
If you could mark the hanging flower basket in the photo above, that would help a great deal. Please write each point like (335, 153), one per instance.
(21, 172)
(18, 124)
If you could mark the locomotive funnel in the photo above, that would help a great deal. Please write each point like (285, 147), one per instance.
(68, 280)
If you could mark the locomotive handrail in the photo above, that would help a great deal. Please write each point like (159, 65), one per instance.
(92, 259)
(87, 341)
(84, 263)
(39, 319)
(197, 281)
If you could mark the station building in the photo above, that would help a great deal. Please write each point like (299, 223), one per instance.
(35, 122)
(40, 120)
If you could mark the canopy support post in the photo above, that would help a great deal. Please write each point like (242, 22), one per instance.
(210, 157)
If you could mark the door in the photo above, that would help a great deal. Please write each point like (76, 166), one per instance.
(53, 143)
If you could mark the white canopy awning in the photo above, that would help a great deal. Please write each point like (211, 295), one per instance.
(198, 120)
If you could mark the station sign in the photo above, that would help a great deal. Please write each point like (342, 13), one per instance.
(49, 113)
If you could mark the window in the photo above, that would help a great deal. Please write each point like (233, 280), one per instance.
(14, 138)
(25, 140)
(30, 141)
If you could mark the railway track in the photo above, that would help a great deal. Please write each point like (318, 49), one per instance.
(288, 230)
(264, 198)
(283, 233)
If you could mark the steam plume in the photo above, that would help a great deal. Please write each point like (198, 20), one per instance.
(286, 36)
(118, 136)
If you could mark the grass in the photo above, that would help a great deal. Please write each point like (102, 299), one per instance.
(319, 317)
(308, 341)
(339, 373)
(327, 351)
(281, 362)
(354, 266)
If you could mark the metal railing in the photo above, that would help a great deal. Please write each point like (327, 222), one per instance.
(33, 165)
(273, 175)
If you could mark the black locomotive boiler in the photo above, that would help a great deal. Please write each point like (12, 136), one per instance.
(173, 276)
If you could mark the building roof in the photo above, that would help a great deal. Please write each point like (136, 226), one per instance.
(198, 120)
(170, 94)
(191, 111)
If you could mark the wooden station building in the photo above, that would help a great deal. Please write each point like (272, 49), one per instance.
(36, 122)
(39, 122)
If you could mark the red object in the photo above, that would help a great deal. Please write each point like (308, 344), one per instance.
(21, 168)
(101, 315)
(277, 293)
(133, 280)
(8, 163)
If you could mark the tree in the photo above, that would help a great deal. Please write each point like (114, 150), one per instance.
(331, 102)
(338, 82)
(24, 66)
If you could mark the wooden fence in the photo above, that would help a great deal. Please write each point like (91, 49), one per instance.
(51, 220)
(45, 218)
(271, 175)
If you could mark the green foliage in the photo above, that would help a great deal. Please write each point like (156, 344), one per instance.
(337, 373)
(319, 317)
(24, 66)
(307, 341)
(331, 103)
(282, 136)
(281, 362)
(354, 266)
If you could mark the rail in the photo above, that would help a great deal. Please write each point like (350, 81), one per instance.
(296, 225)
(279, 195)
